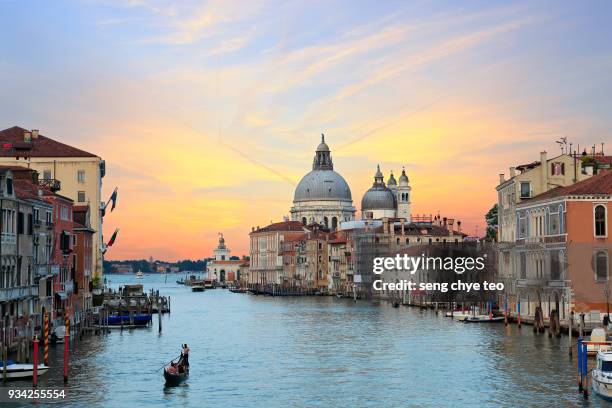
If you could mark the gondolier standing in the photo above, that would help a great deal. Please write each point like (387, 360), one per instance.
(185, 356)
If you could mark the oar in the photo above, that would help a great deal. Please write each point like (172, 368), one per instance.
(165, 364)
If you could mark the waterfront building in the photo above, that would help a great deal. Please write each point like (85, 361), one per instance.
(222, 268)
(25, 182)
(82, 242)
(526, 182)
(62, 258)
(18, 288)
(563, 250)
(389, 239)
(78, 173)
(317, 258)
(122, 268)
(339, 262)
(322, 196)
(265, 249)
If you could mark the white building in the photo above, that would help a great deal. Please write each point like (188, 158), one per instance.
(222, 268)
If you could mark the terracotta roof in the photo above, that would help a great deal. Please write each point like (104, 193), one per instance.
(12, 144)
(600, 184)
(15, 168)
(26, 189)
(282, 226)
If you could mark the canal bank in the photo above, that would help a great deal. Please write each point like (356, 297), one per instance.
(315, 351)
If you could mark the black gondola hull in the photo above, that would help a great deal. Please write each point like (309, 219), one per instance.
(175, 379)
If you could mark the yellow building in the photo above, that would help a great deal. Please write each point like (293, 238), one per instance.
(77, 174)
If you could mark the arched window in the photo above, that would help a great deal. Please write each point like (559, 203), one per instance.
(600, 221)
(601, 266)
(325, 221)
(303, 220)
(334, 223)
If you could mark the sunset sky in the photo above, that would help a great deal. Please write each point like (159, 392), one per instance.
(208, 113)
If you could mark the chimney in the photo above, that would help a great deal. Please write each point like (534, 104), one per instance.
(512, 172)
(544, 171)
(501, 178)
(34, 134)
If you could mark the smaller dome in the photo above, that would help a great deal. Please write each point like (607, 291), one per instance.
(377, 198)
(391, 181)
(323, 147)
(403, 178)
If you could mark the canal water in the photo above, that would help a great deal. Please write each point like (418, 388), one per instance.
(251, 351)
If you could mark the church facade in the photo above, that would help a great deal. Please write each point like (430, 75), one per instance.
(222, 268)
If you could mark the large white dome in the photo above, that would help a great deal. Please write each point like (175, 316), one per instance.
(321, 185)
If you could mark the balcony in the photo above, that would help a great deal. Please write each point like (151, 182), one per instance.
(7, 238)
(52, 184)
(20, 292)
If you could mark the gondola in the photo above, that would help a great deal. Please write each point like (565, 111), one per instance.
(174, 379)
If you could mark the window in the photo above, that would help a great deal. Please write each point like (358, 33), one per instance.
(555, 266)
(523, 261)
(74, 241)
(600, 221)
(30, 224)
(81, 176)
(9, 186)
(525, 189)
(81, 197)
(20, 223)
(557, 169)
(47, 175)
(601, 266)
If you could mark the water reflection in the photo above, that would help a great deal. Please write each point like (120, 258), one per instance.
(261, 351)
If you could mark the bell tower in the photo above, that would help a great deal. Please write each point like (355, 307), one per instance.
(403, 197)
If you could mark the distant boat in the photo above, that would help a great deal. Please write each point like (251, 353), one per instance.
(18, 371)
(197, 288)
(483, 319)
(602, 375)
(139, 275)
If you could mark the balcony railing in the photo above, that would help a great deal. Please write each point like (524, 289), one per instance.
(8, 294)
(53, 184)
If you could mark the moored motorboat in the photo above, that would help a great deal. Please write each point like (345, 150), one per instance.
(19, 371)
(139, 275)
(197, 288)
(602, 375)
(483, 319)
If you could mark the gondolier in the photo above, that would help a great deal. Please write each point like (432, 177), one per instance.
(185, 355)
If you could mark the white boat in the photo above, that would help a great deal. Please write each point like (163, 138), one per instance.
(464, 314)
(16, 371)
(483, 319)
(139, 275)
(602, 375)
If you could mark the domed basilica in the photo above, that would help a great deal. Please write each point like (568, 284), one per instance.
(324, 197)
